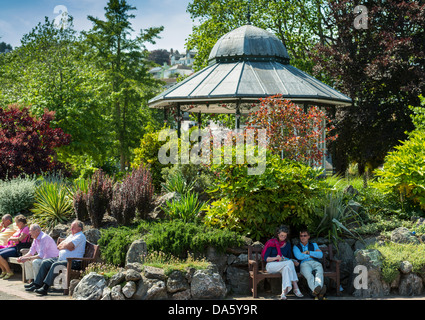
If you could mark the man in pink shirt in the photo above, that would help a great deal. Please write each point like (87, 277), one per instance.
(43, 247)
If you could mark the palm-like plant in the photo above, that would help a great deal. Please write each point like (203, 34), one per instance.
(186, 208)
(337, 218)
(53, 204)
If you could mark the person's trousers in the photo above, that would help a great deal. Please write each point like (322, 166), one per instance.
(287, 269)
(31, 268)
(313, 272)
(49, 270)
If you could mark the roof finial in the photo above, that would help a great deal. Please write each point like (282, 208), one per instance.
(248, 15)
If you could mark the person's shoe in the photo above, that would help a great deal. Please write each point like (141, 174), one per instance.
(8, 275)
(282, 296)
(317, 290)
(43, 290)
(298, 293)
(33, 288)
(322, 292)
(2, 274)
(28, 285)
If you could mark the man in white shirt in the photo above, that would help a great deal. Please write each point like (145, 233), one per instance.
(72, 247)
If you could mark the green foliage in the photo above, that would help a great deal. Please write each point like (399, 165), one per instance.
(186, 207)
(176, 182)
(395, 253)
(147, 155)
(170, 263)
(337, 218)
(404, 169)
(115, 242)
(53, 204)
(177, 238)
(17, 195)
(286, 193)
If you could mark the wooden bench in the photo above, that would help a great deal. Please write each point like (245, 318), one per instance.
(257, 268)
(91, 254)
(14, 260)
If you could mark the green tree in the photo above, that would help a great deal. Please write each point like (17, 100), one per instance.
(128, 84)
(50, 70)
(298, 24)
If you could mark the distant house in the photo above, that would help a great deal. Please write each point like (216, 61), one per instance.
(180, 65)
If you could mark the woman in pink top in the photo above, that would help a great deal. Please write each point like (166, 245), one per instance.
(20, 239)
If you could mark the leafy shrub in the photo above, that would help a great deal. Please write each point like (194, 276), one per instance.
(177, 238)
(286, 193)
(147, 155)
(187, 207)
(170, 263)
(115, 242)
(17, 195)
(395, 253)
(175, 182)
(27, 144)
(404, 168)
(99, 195)
(133, 194)
(53, 204)
(337, 218)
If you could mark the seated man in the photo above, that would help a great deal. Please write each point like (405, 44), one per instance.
(43, 247)
(308, 253)
(73, 246)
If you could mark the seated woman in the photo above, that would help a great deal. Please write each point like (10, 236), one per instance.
(20, 239)
(277, 253)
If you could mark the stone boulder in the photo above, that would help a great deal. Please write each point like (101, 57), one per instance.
(90, 287)
(403, 235)
(207, 284)
(376, 287)
(136, 252)
(177, 282)
(410, 285)
(238, 280)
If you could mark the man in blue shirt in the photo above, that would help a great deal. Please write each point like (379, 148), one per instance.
(308, 254)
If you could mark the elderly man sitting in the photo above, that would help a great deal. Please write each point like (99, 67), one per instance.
(43, 247)
(72, 247)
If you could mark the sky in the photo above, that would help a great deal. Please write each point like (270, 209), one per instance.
(19, 17)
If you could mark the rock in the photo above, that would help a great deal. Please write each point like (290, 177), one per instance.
(136, 252)
(60, 230)
(129, 289)
(181, 295)
(92, 235)
(90, 287)
(217, 258)
(150, 289)
(116, 279)
(403, 235)
(376, 287)
(177, 282)
(116, 293)
(157, 290)
(132, 275)
(365, 243)
(238, 280)
(154, 273)
(72, 284)
(410, 285)
(158, 212)
(346, 255)
(406, 267)
(106, 295)
(207, 285)
(137, 266)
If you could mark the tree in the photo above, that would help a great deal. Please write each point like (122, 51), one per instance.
(51, 70)
(298, 24)
(382, 68)
(291, 131)
(4, 46)
(27, 144)
(160, 56)
(124, 61)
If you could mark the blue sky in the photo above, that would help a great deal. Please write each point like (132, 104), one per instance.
(18, 17)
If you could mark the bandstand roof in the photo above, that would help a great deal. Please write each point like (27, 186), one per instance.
(245, 65)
